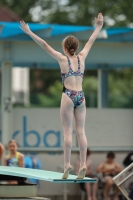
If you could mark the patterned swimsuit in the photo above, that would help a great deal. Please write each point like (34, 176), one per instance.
(77, 97)
(13, 162)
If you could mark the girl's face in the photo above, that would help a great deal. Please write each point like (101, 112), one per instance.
(12, 147)
(110, 160)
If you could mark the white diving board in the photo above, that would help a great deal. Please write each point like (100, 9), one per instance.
(44, 175)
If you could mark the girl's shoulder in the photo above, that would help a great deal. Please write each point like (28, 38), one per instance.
(19, 155)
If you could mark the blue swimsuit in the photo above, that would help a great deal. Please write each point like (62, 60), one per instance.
(77, 97)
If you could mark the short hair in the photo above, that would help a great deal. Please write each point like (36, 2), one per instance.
(110, 154)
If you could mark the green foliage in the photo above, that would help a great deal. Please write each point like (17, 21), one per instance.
(21, 8)
(82, 12)
(90, 87)
(52, 99)
(53, 96)
(121, 89)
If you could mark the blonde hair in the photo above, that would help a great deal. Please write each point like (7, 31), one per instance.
(12, 140)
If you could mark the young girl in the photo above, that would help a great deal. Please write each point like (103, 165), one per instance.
(14, 158)
(73, 101)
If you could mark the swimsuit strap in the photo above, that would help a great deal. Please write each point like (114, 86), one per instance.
(69, 63)
(16, 156)
(78, 62)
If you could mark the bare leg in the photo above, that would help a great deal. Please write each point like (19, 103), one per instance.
(116, 197)
(66, 113)
(80, 114)
(94, 191)
(88, 191)
(109, 183)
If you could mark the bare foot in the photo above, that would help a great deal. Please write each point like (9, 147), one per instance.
(66, 172)
(82, 173)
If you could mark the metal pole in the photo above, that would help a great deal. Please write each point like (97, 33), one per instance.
(103, 88)
(6, 102)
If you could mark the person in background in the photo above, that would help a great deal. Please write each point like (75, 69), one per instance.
(89, 188)
(14, 158)
(1, 150)
(109, 169)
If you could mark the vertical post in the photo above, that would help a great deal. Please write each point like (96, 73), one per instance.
(6, 103)
(103, 88)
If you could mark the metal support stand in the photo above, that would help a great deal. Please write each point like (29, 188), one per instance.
(21, 191)
(121, 179)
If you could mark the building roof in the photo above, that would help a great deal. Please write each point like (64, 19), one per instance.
(8, 15)
(11, 30)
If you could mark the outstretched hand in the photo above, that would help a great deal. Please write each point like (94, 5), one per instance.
(24, 27)
(99, 19)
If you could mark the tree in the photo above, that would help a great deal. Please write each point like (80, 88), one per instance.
(120, 88)
(22, 7)
(82, 12)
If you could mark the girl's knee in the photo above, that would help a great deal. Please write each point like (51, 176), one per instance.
(80, 132)
(109, 181)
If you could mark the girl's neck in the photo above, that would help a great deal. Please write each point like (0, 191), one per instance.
(12, 154)
(67, 54)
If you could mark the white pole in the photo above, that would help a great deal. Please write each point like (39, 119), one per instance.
(6, 102)
(99, 88)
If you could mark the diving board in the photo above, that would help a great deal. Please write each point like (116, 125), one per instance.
(44, 175)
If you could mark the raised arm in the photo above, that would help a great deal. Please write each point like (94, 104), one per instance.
(55, 54)
(88, 45)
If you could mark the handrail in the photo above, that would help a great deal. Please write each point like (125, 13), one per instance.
(74, 149)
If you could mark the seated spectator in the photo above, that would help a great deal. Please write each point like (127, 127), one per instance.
(89, 188)
(1, 150)
(14, 158)
(109, 169)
